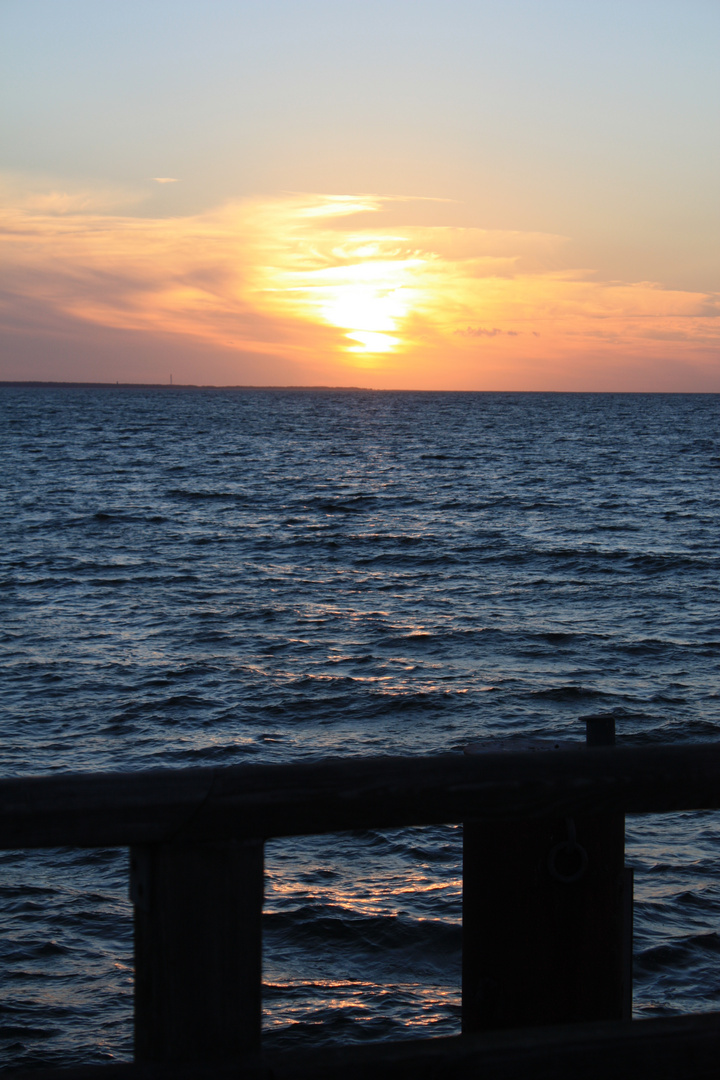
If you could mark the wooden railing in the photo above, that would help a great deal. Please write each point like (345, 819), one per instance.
(196, 853)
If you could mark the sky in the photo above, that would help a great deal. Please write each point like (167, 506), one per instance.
(456, 195)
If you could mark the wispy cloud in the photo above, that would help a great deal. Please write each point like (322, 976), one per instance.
(319, 281)
(483, 331)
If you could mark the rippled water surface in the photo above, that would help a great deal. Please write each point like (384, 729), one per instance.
(207, 577)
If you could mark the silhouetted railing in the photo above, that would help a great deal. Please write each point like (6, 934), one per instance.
(542, 829)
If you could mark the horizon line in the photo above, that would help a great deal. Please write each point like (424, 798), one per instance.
(319, 386)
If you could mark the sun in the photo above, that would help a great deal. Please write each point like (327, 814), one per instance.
(368, 300)
(368, 297)
(363, 283)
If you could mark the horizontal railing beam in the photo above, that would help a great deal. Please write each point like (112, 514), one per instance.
(686, 1046)
(260, 801)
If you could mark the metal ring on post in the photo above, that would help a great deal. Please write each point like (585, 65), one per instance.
(571, 848)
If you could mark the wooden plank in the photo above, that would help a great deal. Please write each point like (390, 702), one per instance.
(198, 951)
(640, 1051)
(677, 1048)
(246, 801)
(99, 809)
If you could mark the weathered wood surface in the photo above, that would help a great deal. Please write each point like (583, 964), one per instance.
(246, 801)
(680, 1048)
(198, 950)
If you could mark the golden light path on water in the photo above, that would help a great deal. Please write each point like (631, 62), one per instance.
(425, 1003)
(382, 929)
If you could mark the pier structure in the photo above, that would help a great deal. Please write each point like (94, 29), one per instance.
(546, 977)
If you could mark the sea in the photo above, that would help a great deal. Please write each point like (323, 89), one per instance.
(206, 577)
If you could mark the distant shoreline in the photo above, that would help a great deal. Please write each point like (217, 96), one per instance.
(330, 389)
(174, 386)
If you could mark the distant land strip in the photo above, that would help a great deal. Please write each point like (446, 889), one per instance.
(300, 388)
(181, 386)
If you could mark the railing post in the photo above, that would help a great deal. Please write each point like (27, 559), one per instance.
(198, 950)
(545, 907)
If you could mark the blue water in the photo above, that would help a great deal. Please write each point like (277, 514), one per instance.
(197, 577)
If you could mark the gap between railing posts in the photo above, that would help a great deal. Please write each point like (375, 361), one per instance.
(547, 913)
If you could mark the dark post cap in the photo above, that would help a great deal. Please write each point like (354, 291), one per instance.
(600, 730)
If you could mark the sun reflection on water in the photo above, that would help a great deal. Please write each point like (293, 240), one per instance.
(355, 944)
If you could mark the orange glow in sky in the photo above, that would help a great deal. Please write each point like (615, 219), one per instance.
(452, 195)
(318, 289)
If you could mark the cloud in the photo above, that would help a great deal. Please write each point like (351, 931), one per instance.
(166, 179)
(319, 286)
(481, 331)
(22, 196)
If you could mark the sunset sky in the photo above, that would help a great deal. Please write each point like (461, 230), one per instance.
(519, 195)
